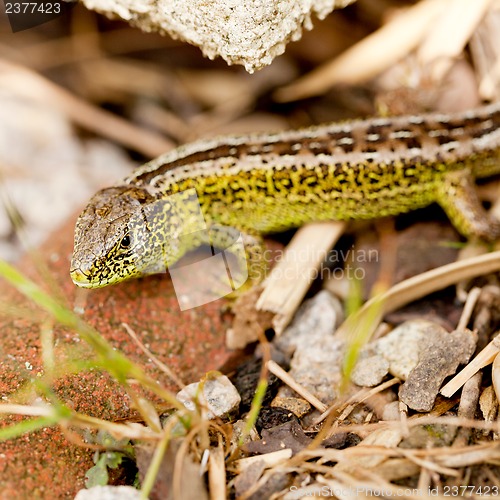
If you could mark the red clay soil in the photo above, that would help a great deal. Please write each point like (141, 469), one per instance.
(44, 464)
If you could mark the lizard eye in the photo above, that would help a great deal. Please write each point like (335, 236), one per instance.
(125, 243)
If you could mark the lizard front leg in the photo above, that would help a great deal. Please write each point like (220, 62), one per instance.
(243, 253)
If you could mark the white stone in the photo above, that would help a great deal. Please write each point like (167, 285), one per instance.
(402, 346)
(218, 396)
(370, 370)
(109, 493)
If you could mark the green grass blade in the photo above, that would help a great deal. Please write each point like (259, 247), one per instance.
(33, 424)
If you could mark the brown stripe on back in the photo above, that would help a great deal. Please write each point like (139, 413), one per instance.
(322, 145)
(222, 150)
(337, 139)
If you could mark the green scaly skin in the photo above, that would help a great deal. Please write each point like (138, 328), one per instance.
(265, 183)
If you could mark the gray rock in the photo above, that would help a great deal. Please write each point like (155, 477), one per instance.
(401, 347)
(396, 353)
(317, 355)
(441, 354)
(316, 319)
(370, 370)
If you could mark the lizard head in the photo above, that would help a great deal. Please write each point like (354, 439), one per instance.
(121, 234)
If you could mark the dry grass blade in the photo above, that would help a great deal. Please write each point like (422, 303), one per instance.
(470, 303)
(470, 456)
(428, 464)
(451, 33)
(276, 369)
(128, 430)
(469, 400)
(495, 375)
(162, 366)
(360, 397)
(419, 286)
(292, 276)
(373, 484)
(44, 54)
(270, 459)
(484, 47)
(443, 456)
(217, 473)
(27, 410)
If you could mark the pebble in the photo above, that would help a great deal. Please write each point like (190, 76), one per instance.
(218, 396)
(370, 369)
(396, 353)
(298, 406)
(420, 352)
(109, 493)
(401, 347)
(441, 354)
(316, 318)
(240, 436)
(391, 411)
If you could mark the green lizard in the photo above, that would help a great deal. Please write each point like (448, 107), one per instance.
(258, 184)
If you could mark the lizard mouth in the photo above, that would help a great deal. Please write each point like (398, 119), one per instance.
(80, 279)
(83, 280)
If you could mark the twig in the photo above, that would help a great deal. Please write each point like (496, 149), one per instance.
(360, 396)
(299, 389)
(217, 473)
(270, 459)
(371, 55)
(467, 407)
(472, 297)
